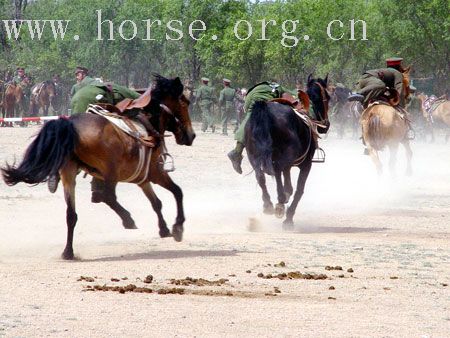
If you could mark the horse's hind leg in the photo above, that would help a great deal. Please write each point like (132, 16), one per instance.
(166, 182)
(157, 206)
(68, 176)
(408, 157)
(267, 203)
(303, 176)
(279, 208)
(376, 160)
(393, 149)
(110, 199)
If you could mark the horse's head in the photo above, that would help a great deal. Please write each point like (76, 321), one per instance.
(317, 92)
(167, 95)
(50, 89)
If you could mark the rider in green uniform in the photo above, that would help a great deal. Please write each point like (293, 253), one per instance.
(263, 91)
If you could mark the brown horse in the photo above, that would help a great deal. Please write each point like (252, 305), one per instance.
(13, 101)
(383, 125)
(42, 96)
(89, 142)
(437, 110)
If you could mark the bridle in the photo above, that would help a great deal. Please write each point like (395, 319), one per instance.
(324, 101)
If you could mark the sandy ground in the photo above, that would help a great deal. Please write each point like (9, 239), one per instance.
(392, 232)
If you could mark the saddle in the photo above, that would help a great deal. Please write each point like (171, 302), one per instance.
(301, 103)
(140, 103)
(130, 126)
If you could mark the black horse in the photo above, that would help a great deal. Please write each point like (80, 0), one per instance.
(277, 139)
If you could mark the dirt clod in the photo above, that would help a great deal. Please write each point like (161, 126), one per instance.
(280, 265)
(148, 279)
(337, 267)
(350, 270)
(86, 279)
(188, 281)
(294, 275)
(332, 288)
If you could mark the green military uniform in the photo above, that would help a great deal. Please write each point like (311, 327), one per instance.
(18, 79)
(226, 105)
(99, 92)
(263, 91)
(85, 82)
(373, 84)
(205, 98)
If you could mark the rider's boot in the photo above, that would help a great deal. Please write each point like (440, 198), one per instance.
(235, 157)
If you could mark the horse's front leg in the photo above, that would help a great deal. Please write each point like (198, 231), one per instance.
(157, 206)
(68, 178)
(279, 208)
(166, 182)
(288, 190)
(267, 203)
(303, 176)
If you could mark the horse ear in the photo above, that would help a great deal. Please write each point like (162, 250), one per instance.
(326, 79)
(310, 78)
(407, 69)
(304, 99)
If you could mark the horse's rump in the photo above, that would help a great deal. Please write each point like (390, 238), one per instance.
(383, 124)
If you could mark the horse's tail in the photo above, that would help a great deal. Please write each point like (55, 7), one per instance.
(45, 155)
(260, 126)
(374, 132)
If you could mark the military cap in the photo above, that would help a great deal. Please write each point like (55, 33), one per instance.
(226, 81)
(394, 62)
(205, 79)
(81, 70)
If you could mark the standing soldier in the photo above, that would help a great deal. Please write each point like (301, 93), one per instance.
(81, 74)
(227, 95)
(205, 98)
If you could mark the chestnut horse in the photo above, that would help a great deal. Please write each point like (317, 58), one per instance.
(42, 96)
(437, 110)
(382, 125)
(91, 143)
(13, 101)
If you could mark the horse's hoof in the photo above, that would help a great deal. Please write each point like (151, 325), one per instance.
(130, 225)
(67, 255)
(163, 233)
(279, 210)
(177, 233)
(269, 210)
(288, 225)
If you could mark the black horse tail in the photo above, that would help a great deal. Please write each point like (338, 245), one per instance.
(260, 126)
(45, 155)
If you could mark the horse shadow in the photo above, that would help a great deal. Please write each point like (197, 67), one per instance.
(164, 254)
(311, 229)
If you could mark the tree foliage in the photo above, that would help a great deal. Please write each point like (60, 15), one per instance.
(417, 31)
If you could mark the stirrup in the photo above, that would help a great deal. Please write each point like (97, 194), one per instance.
(166, 163)
(319, 156)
